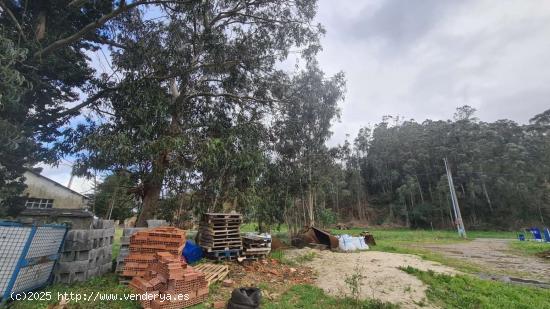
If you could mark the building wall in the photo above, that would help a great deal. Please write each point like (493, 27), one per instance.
(39, 187)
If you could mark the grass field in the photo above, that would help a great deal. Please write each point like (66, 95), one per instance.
(464, 291)
(445, 291)
(408, 242)
(530, 248)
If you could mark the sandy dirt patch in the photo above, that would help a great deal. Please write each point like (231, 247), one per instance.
(382, 278)
(495, 256)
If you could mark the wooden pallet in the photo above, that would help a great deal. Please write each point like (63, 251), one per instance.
(222, 215)
(227, 254)
(213, 272)
(221, 248)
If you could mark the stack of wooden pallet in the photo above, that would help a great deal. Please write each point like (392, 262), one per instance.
(256, 246)
(219, 235)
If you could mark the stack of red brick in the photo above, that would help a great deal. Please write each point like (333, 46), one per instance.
(144, 245)
(170, 284)
(156, 267)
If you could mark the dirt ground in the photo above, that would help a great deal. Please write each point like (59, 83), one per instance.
(496, 257)
(270, 275)
(381, 277)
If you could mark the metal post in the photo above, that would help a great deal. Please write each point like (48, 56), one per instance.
(454, 200)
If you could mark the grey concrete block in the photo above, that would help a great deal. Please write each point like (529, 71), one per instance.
(92, 272)
(64, 278)
(79, 276)
(84, 255)
(104, 224)
(110, 232)
(105, 268)
(156, 223)
(77, 245)
(71, 267)
(131, 230)
(96, 234)
(124, 252)
(70, 235)
(67, 256)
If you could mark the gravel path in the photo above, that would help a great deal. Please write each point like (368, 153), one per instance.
(495, 255)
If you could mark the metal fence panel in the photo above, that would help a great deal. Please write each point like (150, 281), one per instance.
(27, 255)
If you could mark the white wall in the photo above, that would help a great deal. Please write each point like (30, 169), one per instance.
(39, 187)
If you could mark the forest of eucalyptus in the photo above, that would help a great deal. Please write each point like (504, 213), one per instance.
(197, 112)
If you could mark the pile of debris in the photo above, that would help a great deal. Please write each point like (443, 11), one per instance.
(219, 235)
(256, 246)
(144, 245)
(170, 283)
(315, 238)
(271, 271)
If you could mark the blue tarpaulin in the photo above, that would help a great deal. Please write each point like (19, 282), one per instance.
(191, 252)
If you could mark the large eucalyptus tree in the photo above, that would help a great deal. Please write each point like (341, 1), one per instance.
(182, 77)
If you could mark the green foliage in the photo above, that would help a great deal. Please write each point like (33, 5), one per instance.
(464, 291)
(113, 193)
(16, 148)
(107, 284)
(168, 207)
(308, 257)
(187, 109)
(353, 282)
(327, 217)
(43, 69)
(500, 170)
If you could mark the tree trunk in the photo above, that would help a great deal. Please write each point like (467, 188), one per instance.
(486, 195)
(151, 191)
(407, 219)
(311, 206)
(419, 189)
(150, 202)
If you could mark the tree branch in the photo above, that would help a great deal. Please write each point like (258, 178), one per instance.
(98, 23)
(14, 20)
(85, 103)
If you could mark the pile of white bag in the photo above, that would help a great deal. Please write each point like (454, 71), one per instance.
(350, 243)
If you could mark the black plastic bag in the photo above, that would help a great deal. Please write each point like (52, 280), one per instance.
(245, 298)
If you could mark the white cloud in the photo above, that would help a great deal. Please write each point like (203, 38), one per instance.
(422, 59)
(62, 175)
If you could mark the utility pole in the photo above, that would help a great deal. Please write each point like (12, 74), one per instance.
(454, 200)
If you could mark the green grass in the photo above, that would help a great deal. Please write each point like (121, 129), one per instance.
(438, 236)
(116, 243)
(253, 227)
(280, 231)
(308, 257)
(464, 291)
(407, 241)
(104, 284)
(307, 296)
(530, 247)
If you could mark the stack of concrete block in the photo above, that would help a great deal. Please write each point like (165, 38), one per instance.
(167, 278)
(125, 249)
(86, 253)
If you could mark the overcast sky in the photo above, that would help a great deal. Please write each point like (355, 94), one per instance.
(422, 59)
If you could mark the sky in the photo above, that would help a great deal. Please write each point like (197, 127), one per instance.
(424, 58)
